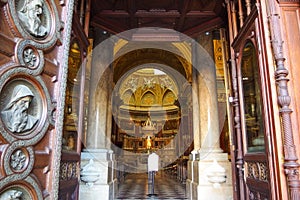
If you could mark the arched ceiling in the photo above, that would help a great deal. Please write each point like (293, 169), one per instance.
(189, 17)
(139, 57)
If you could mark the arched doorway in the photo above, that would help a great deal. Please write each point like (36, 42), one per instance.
(37, 58)
(148, 119)
(182, 97)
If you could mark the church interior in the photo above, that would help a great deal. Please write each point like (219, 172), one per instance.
(152, 104)
(135, 99)
(152, 108)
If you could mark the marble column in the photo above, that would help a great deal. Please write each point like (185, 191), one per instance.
(207, 97)
(195, 101)
(99, 120)
(98, 174)
(209, 171)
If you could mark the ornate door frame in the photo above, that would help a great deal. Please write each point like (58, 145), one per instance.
(253, 169)
(33, 68)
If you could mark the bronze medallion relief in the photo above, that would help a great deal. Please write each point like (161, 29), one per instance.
(16, 113)
(19, 160)
(20, 107)
(35, 20)
(17, 192)
(30, 58)
(34, 17)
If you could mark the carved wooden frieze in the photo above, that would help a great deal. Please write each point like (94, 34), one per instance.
(255, 195)
(69, 170)
(24, 110)
(257, 170)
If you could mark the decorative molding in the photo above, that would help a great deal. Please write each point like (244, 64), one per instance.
(69, 170)
(257, 170)
(246, 30)
(36, 187)
(25, 68)
(11, 176)
(291, 165)
(234, 100)
(255, 195)
(64, 52)
(18, 160)
(31, 57)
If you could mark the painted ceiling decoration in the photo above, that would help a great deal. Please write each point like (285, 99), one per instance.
(148, 87)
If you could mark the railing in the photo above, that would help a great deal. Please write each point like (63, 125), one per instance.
(240, 9)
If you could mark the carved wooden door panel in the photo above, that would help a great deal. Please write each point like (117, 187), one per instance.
(252, 158)
(34, 38)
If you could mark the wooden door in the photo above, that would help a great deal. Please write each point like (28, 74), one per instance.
(34, 38)
(253, 120)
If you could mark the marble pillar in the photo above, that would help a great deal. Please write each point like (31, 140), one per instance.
(100, 94)
(195, 101)
(98, 174)
(209, 171)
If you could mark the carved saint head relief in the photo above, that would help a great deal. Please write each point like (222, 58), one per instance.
(12, 195)
(15, 114)
(31, 15)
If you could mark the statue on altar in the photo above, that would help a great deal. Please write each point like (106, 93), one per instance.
(148, 142)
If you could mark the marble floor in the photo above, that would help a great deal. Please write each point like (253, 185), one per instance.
(135, 186)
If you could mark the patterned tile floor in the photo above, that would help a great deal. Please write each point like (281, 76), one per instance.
(135, 187)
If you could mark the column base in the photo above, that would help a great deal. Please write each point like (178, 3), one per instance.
(210, 178)
(216, 193)
(104, 192)
(98, 175)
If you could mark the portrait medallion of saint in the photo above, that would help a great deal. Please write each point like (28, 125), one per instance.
(16, 192)
(17, 114)
(34, 17)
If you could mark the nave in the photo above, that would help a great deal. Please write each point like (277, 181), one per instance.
(135, 186)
